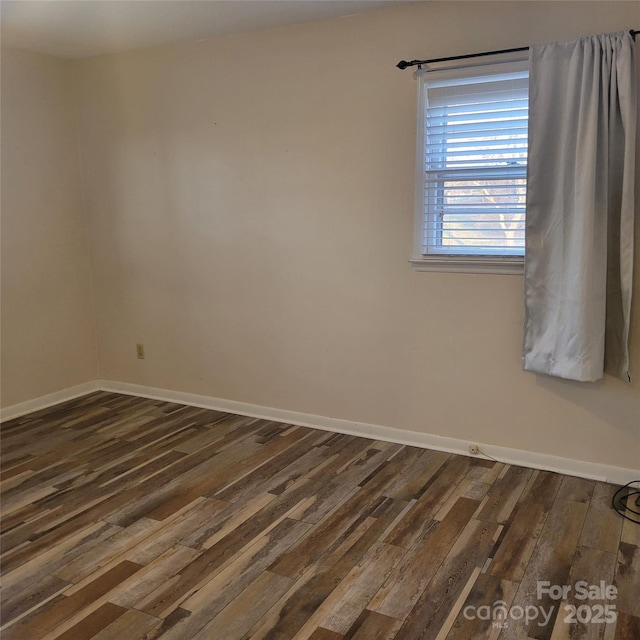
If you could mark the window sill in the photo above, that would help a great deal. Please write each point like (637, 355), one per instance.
(470, 264)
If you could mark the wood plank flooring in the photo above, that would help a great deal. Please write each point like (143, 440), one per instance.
(125, 518)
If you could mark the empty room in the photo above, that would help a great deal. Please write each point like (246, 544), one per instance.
(320, 320)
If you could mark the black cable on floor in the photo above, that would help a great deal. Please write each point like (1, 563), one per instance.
(621, 502)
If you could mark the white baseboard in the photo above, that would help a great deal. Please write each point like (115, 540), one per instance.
(22, 408)
(531, 459)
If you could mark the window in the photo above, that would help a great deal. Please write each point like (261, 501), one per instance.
(472, 168)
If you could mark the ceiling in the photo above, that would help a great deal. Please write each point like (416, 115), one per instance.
(82, 28)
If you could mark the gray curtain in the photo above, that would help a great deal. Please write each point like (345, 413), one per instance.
(580, 207)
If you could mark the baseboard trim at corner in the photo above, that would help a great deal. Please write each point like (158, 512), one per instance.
(29, 406)
(519, 457)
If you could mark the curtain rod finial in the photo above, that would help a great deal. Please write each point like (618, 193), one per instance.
(403, 64)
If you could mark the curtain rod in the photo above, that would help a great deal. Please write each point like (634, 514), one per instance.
(403, 64)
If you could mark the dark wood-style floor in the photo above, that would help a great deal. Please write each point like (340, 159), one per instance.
(127, 518)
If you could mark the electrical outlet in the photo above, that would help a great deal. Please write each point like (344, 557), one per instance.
(474, 449)
(140, 351)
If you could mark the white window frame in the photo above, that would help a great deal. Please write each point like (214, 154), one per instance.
(454, 262)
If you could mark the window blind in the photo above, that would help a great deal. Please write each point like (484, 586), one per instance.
(475, 162)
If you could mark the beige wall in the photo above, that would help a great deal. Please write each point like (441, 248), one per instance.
(250, 206)
(48, 333)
